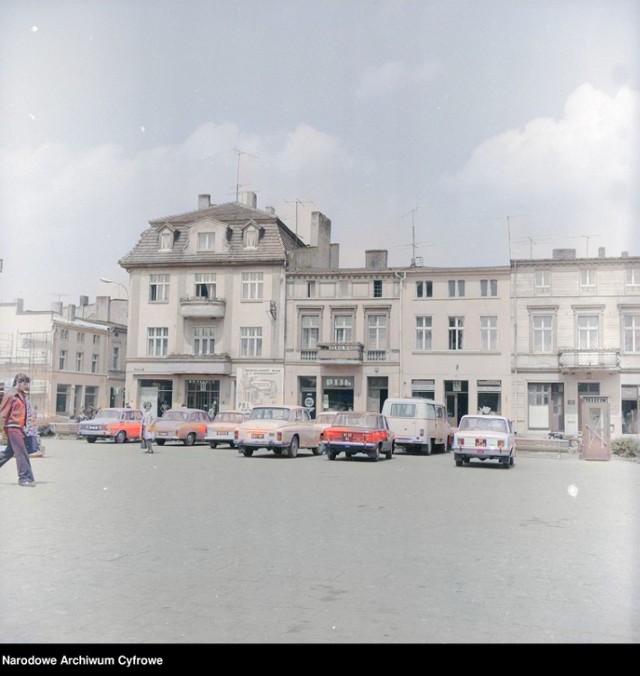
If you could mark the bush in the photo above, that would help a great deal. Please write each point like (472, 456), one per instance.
(626, 447)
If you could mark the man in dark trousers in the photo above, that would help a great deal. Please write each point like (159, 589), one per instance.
(13, 413)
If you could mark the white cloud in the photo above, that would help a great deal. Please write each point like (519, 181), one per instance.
(394, 76)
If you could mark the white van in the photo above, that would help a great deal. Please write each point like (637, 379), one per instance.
(418, 424)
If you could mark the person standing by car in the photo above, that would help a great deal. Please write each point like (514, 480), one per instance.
(147, 422)
(13, 413)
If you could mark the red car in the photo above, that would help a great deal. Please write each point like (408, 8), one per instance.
(352, 433)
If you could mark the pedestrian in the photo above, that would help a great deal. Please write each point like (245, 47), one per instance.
(147, 427)
(13, 413)
(32, 440)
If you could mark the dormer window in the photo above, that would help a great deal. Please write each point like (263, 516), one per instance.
(166, 240)
(250, 237)
(206, 241)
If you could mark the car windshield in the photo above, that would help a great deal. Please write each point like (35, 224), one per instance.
(325, 417)
(355, 420)
(481, 424)
(107, 413)
(269, 413)
(229, 417)
(175, 415)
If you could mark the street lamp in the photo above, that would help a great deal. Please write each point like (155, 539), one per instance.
(122, 286)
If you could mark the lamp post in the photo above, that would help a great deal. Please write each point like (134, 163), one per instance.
(122, 286)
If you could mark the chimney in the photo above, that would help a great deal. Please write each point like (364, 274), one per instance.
(84, 301)
(71, 311)
(564, 254)
(56, 308)
(624, 254)
(250, 200)
(270, 210)
(376, 259)
(601, 252)
(204, 201)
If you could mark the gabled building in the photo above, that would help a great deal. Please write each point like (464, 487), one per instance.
(207, 292)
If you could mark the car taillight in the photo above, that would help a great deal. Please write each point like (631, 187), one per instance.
(422, 431)
(460, 441)
(236, 435)
(500, 443)
(279, 436)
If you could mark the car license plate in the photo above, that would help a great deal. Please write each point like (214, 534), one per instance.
(93, 427)
(163, 434)
(222, 433)
(257, 435)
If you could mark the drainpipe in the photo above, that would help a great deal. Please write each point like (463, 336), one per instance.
(401, 276)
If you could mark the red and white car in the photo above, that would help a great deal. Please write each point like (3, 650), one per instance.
(485, 437)
(352, 433)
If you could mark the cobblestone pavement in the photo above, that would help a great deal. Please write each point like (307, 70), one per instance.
(194, 545)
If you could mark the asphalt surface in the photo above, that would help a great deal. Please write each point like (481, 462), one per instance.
(194, 545)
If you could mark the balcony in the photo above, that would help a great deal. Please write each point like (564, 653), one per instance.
(607, 360)
(340, 353)
(202, 308)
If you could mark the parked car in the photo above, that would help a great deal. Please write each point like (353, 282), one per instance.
(278, 429)
(181, 424)
(485, 437)
(418, 424)
(116, 424)
(223, 427)
(353, 432)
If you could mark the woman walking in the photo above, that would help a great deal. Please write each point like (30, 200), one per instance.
(147, 422)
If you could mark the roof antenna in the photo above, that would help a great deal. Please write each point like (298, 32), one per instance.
(240, 152)
(413, 235)
(296, 202)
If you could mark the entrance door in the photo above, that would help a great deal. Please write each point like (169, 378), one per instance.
(456, 394)
(596, 432)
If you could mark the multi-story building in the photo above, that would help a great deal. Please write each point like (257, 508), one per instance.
(207, 292)
(75, 355)
(576, 334)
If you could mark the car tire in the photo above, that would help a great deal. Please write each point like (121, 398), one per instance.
(213, 444)
(160, 442)
(91, 440)
(292, 451)
(458, 463)
(375, 456)
(121, 437)
(512, 461)
(277, 451)
(332, 455)
(190, 439)
(247, 452)
(389, 454)
(316, 450)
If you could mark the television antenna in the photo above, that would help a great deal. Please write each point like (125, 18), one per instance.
(297, 202)
(240, 153)
(587, 237)
(414, 246)
(532, 241)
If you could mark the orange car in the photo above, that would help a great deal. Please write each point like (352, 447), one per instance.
(181, 424)
(118, 424)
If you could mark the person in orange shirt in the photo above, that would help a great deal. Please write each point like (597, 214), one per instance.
(13, 413)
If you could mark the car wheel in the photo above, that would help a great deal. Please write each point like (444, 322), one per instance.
(232, 444)
(458, 463)
(277, 451)
(213, 444)
(247, 452)
(160, 442)
(293, 447)
(91, 440)
(190, 439)
(121, 437)
(317, 450)
(375, 456)
(332, 455)
(512, 460)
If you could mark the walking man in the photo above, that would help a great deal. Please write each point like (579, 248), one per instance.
(13, 413)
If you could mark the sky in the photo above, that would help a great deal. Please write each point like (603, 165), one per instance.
(455, 132)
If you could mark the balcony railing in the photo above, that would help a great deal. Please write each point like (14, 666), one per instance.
(340, 352)
(376, 355)
(194, 308)
(589, 359)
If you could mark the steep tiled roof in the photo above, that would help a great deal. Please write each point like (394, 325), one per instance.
(275, 241)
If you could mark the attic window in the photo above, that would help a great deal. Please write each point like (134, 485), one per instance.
(251, 238)
(166, 240)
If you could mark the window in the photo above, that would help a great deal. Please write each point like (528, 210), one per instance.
(205, 284)
(309, 331)
(423, 333)
(542, 326)
(631, 331)
(96, 339)
(251, 341)
(62, 360)
(206, 241)
(542, 282)
(80, 337)
(64, 334)
(488, 287)
(166, 240)
(588, 326)
(424, 289)
(342, 328)
(159, 288)
(252, 283)
(426, 389)
(204, 341)
(157, 341)
(377, 332)
(311, 289)
(587, 281)
(489, 333)
(632, 279)
(79, 360)
(94, 363)
(115, 358)
(630, 400)
(250, 238)
(456, 288)
(456, 330)
(377, 288)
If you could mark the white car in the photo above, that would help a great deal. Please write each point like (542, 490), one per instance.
(485, 437)
(278, 429)
(223, 427)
